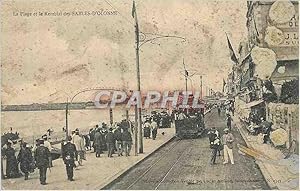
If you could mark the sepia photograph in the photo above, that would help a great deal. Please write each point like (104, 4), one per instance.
(149, 94)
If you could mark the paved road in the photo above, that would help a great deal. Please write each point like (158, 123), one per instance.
(184, 165)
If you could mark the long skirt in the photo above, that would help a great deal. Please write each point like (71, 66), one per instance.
(147, 132)
(12, 170)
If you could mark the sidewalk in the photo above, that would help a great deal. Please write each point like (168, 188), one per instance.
(95, 172)
(279, 175)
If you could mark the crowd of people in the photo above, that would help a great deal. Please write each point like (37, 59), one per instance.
(115, 139)
(26, 160)
(150, 128)
(257, 124)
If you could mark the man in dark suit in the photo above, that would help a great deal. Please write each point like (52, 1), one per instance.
(98, 142)
(118, 137)
(127, 141)
(229, 119)
(42, 158)
(69, 154)
(110, 141)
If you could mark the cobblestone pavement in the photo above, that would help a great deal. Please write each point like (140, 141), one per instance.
(184, 164)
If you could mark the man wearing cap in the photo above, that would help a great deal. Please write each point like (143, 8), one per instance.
(215, 144)
(127, 141)
(229, 119)
(110, 142)
(92, 136)
(48, 145)
(154, 129)
(78, 141)
(69, 154)
(219, 110)
(118, 137)
(181, 115)
(104, 125)
(227, 140)
(213, 134)
(42, 158)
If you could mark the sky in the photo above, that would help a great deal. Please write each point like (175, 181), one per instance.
(49, 58)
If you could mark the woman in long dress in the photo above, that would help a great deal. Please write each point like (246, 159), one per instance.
(12, 170)
(147, 129)
(25, 158)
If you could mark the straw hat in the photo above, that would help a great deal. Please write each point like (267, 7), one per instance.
(226, 129)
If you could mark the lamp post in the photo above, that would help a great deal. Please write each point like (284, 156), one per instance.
(68, 104)
(201, 85)
(67, 125)
(137, 48)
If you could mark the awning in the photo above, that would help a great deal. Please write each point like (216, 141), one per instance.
(253, 103)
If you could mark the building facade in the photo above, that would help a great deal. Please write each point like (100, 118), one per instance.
(272, 61)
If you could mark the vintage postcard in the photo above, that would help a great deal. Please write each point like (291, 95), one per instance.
(149, 95)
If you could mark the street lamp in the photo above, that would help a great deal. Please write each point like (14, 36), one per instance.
(201, 84)
(71, 101)
(137, 48)
(187, 75)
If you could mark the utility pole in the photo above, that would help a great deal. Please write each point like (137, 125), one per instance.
(138, 45)
(111, 120)
(201, 95)
(67, 125)
(186, 84)
(201, 87)
(137, 41)
(135, 131)
(127, 115)
(186, 74)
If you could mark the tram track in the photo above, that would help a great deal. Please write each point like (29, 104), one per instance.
(152, 165)
(184, 164)
(178, 159)
(173, 152)
(187, 148)
(157, 183)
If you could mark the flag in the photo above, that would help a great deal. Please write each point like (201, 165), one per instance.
(232, 54)
(133, 9)
(224, 83)
(186, 73)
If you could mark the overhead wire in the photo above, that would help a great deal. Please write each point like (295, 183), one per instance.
(132, 23)
(110, 4)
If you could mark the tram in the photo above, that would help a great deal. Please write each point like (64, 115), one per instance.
(190, 126)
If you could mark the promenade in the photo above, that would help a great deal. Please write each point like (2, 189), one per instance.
(95, 172)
